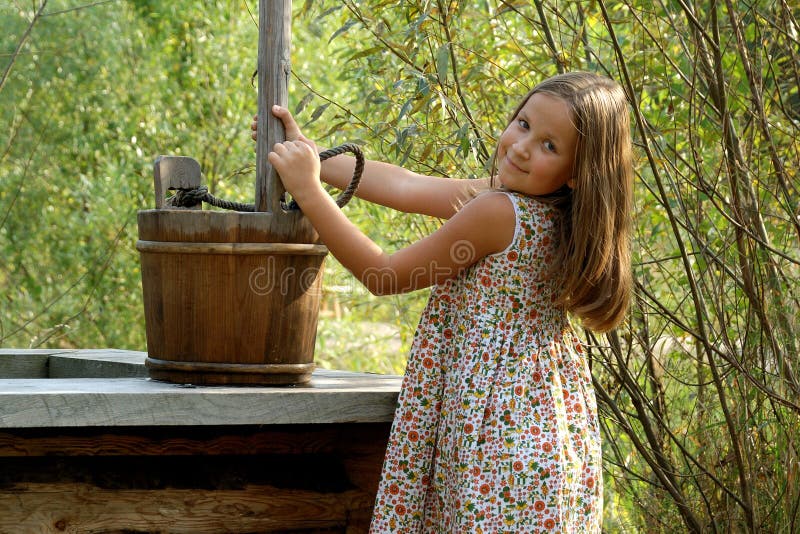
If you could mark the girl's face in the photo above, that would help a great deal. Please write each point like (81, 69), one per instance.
(536, 151)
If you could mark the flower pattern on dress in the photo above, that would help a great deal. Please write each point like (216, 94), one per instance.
(496, 428)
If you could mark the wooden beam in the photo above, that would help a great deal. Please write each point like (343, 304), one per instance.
(274, 67)
(362, 439)
(65, 507)
(318, 478)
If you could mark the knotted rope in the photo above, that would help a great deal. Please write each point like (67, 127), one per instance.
(186, 198)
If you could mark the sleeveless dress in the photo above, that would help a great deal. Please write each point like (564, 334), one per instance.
(496, 428)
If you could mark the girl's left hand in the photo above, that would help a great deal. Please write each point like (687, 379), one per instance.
(298, 166)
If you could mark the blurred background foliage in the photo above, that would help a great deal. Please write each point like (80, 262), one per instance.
(698, 391)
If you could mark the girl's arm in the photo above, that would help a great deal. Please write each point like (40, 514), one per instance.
(403, 190)
(484, 226)
(390, 185)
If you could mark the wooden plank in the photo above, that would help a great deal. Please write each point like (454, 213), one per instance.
(57, 363)
(274, 67)
(358, 443)
(158, 444)
(99, 402)
(31, 365)
(362, 451)
(332, 397)
(97, 363)
(65, 507)
(228, 492)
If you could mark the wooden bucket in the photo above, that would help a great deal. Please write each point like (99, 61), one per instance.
(227, 299)
(233, 298)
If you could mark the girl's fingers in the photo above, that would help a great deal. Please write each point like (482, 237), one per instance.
(287, 147)
(279, 148)
(289, 124)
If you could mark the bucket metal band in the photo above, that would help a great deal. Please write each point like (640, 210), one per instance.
(180, 247)
(234, 368)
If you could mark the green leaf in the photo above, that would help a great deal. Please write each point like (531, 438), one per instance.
(442, 62)
(318, 112)
(347, 25)
(364, 53)
(303, 103)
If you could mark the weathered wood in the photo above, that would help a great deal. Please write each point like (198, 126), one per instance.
(16, 365)
(222, 227)
(180, 247)
(292, 478)
(358, 443)
(136, 455)
(274, 67)
(71, 363)
(222, 311)
(175, 172)
(331, 397)
(97, 363)
(86, 508)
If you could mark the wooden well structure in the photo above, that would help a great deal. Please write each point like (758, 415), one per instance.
(233, 297)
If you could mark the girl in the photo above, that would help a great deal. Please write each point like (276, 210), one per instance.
(496, 428)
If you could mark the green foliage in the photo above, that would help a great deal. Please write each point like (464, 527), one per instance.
(697, 392)
(96, 95)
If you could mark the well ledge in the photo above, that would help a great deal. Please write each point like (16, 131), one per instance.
(109, 387)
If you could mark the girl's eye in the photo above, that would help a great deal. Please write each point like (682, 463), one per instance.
(549, 146)
(523, 124)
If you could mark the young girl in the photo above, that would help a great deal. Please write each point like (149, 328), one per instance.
(496, 428)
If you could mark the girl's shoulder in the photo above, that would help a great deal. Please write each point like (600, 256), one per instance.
(513, 214)
(492, 213)
(494, 206)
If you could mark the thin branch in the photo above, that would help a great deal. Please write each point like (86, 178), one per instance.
(78, 8)
(548, 35)
(21, 43)
(483, 151)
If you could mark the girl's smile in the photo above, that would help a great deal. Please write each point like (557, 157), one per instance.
(512, 165)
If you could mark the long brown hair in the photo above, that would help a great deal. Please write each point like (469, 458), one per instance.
(594, 259)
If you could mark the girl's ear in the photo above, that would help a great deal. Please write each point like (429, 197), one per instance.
(571, 183)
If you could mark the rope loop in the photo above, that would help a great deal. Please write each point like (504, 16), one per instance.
(187, 198)
(347, 194)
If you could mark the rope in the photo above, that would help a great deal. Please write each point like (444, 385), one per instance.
(186, 198)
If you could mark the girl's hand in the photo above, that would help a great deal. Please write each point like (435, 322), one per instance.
(298, 166)
(290, 126)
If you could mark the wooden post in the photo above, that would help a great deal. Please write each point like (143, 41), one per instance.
(274, 67)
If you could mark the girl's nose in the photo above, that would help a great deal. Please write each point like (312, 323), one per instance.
(520, 149)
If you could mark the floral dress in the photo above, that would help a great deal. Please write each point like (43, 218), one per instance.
(496, 428)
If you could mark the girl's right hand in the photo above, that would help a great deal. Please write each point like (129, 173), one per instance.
(290, 126)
